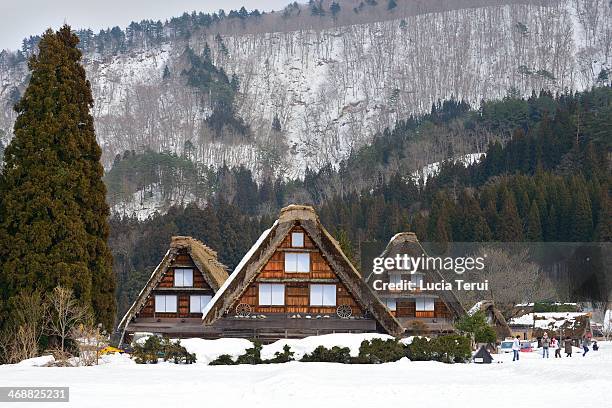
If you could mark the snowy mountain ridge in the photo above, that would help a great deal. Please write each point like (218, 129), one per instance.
(333, 89)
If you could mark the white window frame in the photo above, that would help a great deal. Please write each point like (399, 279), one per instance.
(323, 294)
(198, 302)
(391, 304)
(425, 304)
(395, 278)
(271, 294)
(297, 262)
(167, 307)
(417, 279)
(182, 282)
(297, 239)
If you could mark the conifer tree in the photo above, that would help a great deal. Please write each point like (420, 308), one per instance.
(603, 232)
(53, 221)
(582, 217)
(510, 228)
(534, 224)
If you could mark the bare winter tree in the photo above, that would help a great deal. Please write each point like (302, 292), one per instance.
(27, 326)
(89, 341)
(65, 312)
(513, 279)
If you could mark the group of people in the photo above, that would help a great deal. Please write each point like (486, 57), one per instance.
(553, 343)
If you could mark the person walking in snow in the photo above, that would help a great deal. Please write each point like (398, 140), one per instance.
(568, 346)
(585, 345)
(554, 344)
(516, 348)
(545, 345)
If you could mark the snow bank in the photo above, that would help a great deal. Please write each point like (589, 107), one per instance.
(408, 340)
(116, 359)
(208, 350)
(308, 344)
(36, 361)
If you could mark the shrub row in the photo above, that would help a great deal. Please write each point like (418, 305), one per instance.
(447, 349)
(155, 348)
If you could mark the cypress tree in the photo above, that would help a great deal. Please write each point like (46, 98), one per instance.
(603, 232)
(582, 217)
(534, 224)
(53, 221)
(510, 228)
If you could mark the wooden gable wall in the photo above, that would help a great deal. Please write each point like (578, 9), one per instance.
(166, 286)
(297, 285)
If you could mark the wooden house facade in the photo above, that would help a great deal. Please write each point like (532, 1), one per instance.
(418, 312)
(179, 288)
(295, 282)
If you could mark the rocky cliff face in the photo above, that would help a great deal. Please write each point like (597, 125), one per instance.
(333, 88)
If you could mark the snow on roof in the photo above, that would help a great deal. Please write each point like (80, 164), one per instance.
(124, 319)
(545, 320)
(475, 308)
(233, 275)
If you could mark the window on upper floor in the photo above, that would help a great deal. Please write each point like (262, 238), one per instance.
(183, 278)
(425, 304)
(297, 262)
(416, 279)
(297, 239)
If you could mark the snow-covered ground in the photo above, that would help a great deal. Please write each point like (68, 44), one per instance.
(531, 382)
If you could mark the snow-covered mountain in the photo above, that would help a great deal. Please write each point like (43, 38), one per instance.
(334, 87)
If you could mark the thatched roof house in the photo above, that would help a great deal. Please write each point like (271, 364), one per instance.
(494, 317)
(417, 311)
(172, 300)
(557, 324)
(294, 282)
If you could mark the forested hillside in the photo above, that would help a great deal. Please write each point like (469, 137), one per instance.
(546, 177)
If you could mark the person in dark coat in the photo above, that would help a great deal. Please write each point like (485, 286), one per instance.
(568, 347)
(595, 346)
(585, 345)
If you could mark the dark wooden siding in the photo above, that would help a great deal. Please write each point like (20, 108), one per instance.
(166, 287)
(297, 285)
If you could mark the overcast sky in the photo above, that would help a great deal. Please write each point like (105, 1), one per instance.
(22, 18)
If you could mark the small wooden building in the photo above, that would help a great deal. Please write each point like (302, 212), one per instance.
(296, 282)
(417, 311)
(172, 301)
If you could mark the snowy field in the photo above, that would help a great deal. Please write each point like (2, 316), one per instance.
(532, 382)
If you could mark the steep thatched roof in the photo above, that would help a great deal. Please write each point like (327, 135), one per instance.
(408, 243)
(499, 321)
(270, 240)
(204, 258)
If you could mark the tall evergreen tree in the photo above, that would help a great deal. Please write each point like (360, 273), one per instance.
(510, 228)
(54, 226)
(534, 224)
(582, 217)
